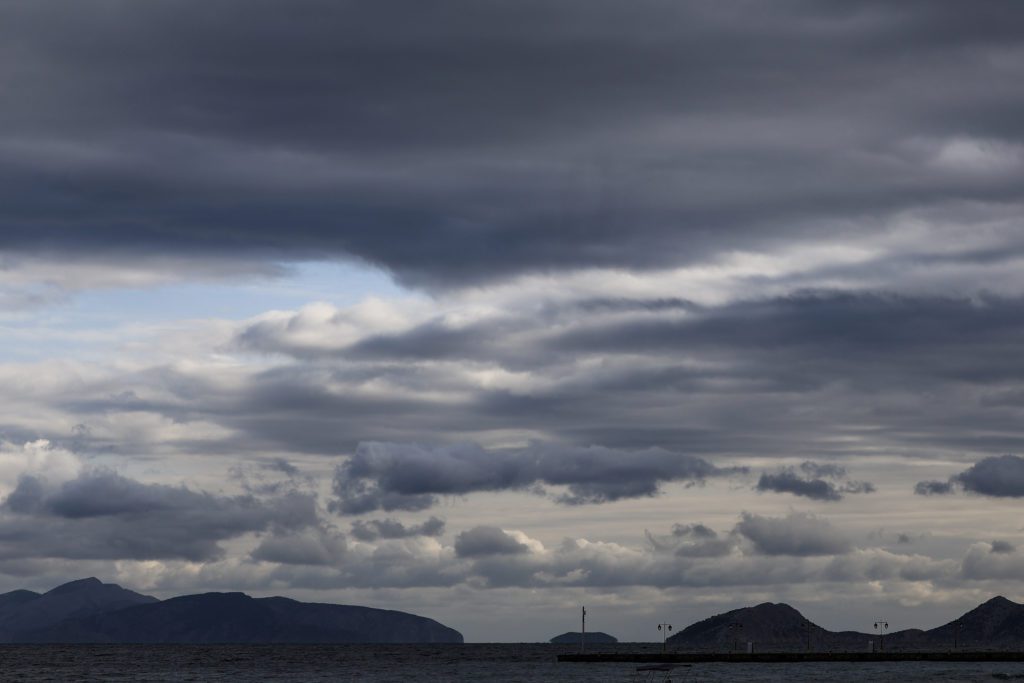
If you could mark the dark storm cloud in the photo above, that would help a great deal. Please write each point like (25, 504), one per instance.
(464, 141)
(860, 337)
(393, 476)
(374, 529)
(797, 534)
(859, 326)
(103, 515)
(1001, 476)
(788, 481)
(1003, 547)
(814, 480)
(997, 476)
(933, 488)
(843, 348)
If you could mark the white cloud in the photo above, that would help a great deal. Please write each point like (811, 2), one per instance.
(38, 458)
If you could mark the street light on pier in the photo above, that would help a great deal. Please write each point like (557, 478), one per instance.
(665, 629)
(881, 626)
(583, 629)
(956, 632)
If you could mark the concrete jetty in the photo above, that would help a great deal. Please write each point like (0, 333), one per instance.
(793, 657)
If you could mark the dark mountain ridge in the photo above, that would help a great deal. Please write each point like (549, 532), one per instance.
(995, 624)
(89, 611)
(24, 611)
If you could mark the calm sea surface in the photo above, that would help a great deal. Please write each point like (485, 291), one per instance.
(502, 663)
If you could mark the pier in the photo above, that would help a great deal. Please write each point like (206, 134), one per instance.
(793, 657)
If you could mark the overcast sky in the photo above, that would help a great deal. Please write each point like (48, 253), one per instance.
(487, 310)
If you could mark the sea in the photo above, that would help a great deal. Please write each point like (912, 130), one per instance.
(488, 663)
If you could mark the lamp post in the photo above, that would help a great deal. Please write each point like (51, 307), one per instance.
(735, 627)
(583, 629)
(956, 632)
(665, 629)
(808, 627)
(881, 626)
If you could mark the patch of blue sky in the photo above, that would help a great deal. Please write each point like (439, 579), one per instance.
(79, 325)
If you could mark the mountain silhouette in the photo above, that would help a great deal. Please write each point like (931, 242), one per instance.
(766, 624)
(995, 624)
(23, 611)
(89, 611)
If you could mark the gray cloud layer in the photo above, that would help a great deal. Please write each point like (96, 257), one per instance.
(758, 551)
(103, 515)
(394, 476)
(466, 141)
(738, 375)
(374, 529)
(693, 540)
(841, 180)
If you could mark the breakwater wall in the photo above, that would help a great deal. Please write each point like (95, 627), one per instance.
(794, 657)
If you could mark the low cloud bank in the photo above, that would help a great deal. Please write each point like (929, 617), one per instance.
(395, 476)
(100, 514)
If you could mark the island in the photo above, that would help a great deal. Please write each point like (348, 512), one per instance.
(90, 611)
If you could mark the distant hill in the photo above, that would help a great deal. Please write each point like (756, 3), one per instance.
(767, 623)
(573, 638)
(89, 611)
(24, 611)
(14, 598)
(995, 624)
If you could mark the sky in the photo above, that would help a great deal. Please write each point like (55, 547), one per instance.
(489, 310)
